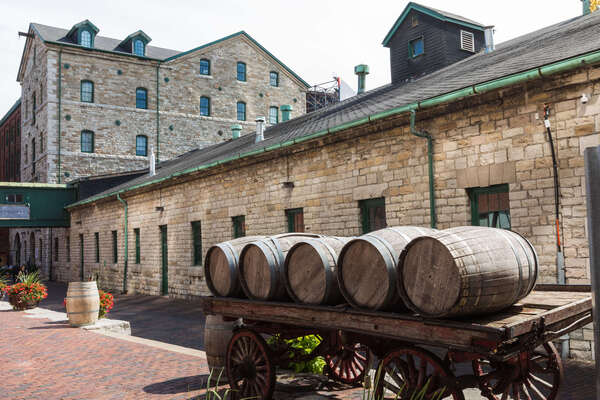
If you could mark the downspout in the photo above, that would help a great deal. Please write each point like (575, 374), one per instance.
(59, 107)
(126, 244)
(157, 118)
(51, 257)
(426, 135)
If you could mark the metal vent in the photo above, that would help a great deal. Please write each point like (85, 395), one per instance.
(467, 41)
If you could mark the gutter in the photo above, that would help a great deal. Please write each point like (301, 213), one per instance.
(528, 75)
(426, 135)
(125, 205)
(59, 107)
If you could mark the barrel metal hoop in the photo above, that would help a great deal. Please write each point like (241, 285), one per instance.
(79, 296)
(535, 262)
(233, 262)
(381, 244)
(273, 260)
(83, 312)
(520, 266)
(328, 271)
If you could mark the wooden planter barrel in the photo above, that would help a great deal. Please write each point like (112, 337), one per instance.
(466, 270)
(217, 333)
(367, 267)
(261, 266)
(221, 267)
(310, 270)
(83, 303)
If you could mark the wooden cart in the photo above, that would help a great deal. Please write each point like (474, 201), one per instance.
(511, 352)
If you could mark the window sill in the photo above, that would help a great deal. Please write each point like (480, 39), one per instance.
(244, 82)
(205, 76)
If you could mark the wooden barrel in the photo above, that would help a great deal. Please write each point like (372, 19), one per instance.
(310, 270)
(221, 267)
(217, 333)
(83, 303)
(367, 267)
(261, 266)
(466, 270)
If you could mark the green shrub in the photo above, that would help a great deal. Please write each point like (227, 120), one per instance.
(301, 346)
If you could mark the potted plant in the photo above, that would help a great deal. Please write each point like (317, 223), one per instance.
(107, 302)
(27, 292)
(3, 284)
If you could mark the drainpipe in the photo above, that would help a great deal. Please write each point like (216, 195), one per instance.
(427, 136)
(59, 107)
(126, 244)
(157, 118)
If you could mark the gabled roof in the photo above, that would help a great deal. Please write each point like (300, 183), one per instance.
(82, 24)
(553, 49)
(139, 33)
(435, 13)
(10, 111)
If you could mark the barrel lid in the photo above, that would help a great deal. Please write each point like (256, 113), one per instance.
(306, 273)
(257, 269)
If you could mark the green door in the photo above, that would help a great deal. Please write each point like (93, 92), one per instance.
(165, 260)
(81, 254)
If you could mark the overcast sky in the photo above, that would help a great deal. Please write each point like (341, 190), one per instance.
(318, 39)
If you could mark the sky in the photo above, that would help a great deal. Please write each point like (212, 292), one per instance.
(317, 39)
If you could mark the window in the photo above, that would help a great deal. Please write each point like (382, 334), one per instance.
(138, 255)
(274, 78)
(241, 111)
(372, 214)
(138, 47)
(239, 226)
(85, 39)
(87, 142)
(273, 115)
(68, 248)
(490, 206)
(295, 219)
(416, 47)
(114, 246)
(204, 67)
(97, 245)
(204, 106)
(241, 71)
(33, 156)
(33, 108)
(414, 21)
(87, 92)
(55, 249)
(197, 242)
(141, 98)
(467, 41)
(141, 145)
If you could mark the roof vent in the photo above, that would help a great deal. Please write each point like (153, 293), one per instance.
(489, 39)
(152, 161)
(361, 70)
(235, 131)
(467, 41)
(260, 129)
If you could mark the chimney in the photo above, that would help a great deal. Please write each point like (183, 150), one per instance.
(286, 112)
(489, 39)
(590, 6)
(152, 161)
(362, 70)
(260, 129)
(235, 131)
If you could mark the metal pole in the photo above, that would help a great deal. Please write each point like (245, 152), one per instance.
(592, 181)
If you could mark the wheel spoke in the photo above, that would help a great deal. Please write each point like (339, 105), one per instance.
(535, 390)
(397, 379)
(391, 387)
(422, 372)
(516, 395)
(540, 380)
(525, 391)
(505, 394)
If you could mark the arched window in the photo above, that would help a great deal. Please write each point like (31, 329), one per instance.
(87, 91)
(85, 39)
(204, 67)
(204, 106)
(273, 115)
(141, 98)
(141, 145)
(87, 141)
(138, 47)
(241, 71)
(241, 111)
(274, 78)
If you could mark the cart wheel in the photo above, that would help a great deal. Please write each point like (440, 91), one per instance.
(404, 373)
(530, 375)
(249, 368)
(349, 363)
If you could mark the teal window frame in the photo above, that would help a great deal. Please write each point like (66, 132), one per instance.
(239, 226)
(81, 39)
(86, 95)
(141, 149)
(204, 66)
(291, 219)
(197, 242)
(476, 215)
(241, 110)
(274, 78)
(138, 253)
(139, 51)
(87, 141)
(366, 206)
(141, 98)
(115, 247)
(205, 106)
(241, 71)
(411, 47)
(273, 117)
(97, 245)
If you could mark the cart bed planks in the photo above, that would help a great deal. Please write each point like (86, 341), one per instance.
(551, 311)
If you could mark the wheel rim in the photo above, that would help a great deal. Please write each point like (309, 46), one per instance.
(349, 364)
(407, 371)
(532, 375)
(249, 367)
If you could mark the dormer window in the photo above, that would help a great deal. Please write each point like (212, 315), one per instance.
(138, 47)
(85, 39)
(416, 47)
(82, 33)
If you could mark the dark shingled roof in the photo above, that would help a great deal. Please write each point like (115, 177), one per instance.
(555, 43)
(10, 111)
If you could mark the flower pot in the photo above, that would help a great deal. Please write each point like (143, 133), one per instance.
(83, 303)
(19, 303)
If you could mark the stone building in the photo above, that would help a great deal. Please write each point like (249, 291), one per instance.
(95, 106)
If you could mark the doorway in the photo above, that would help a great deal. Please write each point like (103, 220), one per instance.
(164, 287)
